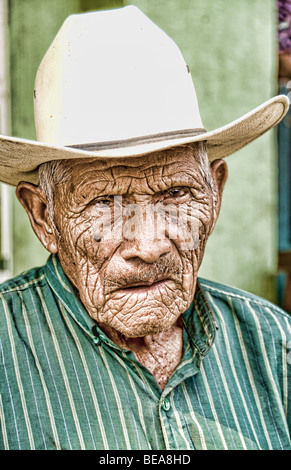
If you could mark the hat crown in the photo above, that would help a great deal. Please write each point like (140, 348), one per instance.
(109, 76)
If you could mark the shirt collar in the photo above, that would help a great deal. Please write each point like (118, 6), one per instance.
(200, 323)
(198, 320)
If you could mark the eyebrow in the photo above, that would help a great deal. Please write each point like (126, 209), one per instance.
(180, 179)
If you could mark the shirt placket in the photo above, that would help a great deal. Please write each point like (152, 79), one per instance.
(171, 421)
(174, 427)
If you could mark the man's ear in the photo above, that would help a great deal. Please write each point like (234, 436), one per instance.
(35, 203)
(219, 175)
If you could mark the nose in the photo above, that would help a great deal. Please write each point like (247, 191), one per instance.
(149, 242)
(146, 250)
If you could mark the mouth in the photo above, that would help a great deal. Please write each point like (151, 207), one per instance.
(146, 287)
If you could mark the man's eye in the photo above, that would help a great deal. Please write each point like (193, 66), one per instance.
(177, 192)
(104, 201)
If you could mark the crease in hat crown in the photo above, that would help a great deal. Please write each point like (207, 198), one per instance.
(112, 76)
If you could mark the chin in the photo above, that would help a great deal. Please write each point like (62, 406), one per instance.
(145, 328)
(139, 320)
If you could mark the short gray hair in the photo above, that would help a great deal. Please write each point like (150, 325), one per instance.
(53, 173)
(50, 174)
(201, 157)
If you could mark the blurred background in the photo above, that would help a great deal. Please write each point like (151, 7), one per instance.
(238, 53)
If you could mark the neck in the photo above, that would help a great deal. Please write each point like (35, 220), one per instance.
(159, 353)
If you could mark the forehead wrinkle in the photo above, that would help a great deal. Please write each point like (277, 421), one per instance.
(161, 158)
(156, 168)
(90, 187)
(173, 174)
(129, 174)
(117, 179)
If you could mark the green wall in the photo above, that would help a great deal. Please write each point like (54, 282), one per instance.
(230, 48)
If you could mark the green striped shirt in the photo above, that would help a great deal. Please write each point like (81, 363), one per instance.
(65, 385)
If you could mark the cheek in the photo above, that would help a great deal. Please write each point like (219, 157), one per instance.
(75, 247)
(190, 225)
(77, 237)
(84, 259)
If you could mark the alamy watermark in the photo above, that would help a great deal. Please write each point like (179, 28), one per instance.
(155, 221)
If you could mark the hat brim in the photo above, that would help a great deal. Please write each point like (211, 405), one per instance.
(20, 158)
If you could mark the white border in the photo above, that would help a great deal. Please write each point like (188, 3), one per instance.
(5, 191)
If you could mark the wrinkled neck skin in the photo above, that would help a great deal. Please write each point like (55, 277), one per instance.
(137, 281)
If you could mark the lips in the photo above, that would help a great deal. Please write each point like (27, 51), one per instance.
(143, 287)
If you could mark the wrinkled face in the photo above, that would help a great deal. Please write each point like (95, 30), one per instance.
(129, 252)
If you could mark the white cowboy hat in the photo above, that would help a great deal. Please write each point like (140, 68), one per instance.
(113, 84)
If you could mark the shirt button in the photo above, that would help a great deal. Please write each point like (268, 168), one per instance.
(96, 340)
(166, 404)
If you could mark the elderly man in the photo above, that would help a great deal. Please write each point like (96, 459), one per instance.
(115, 343)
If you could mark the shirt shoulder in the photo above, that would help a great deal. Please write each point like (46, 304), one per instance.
(23, 281)
(237, 299)
(253, 325)
(20, 306)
